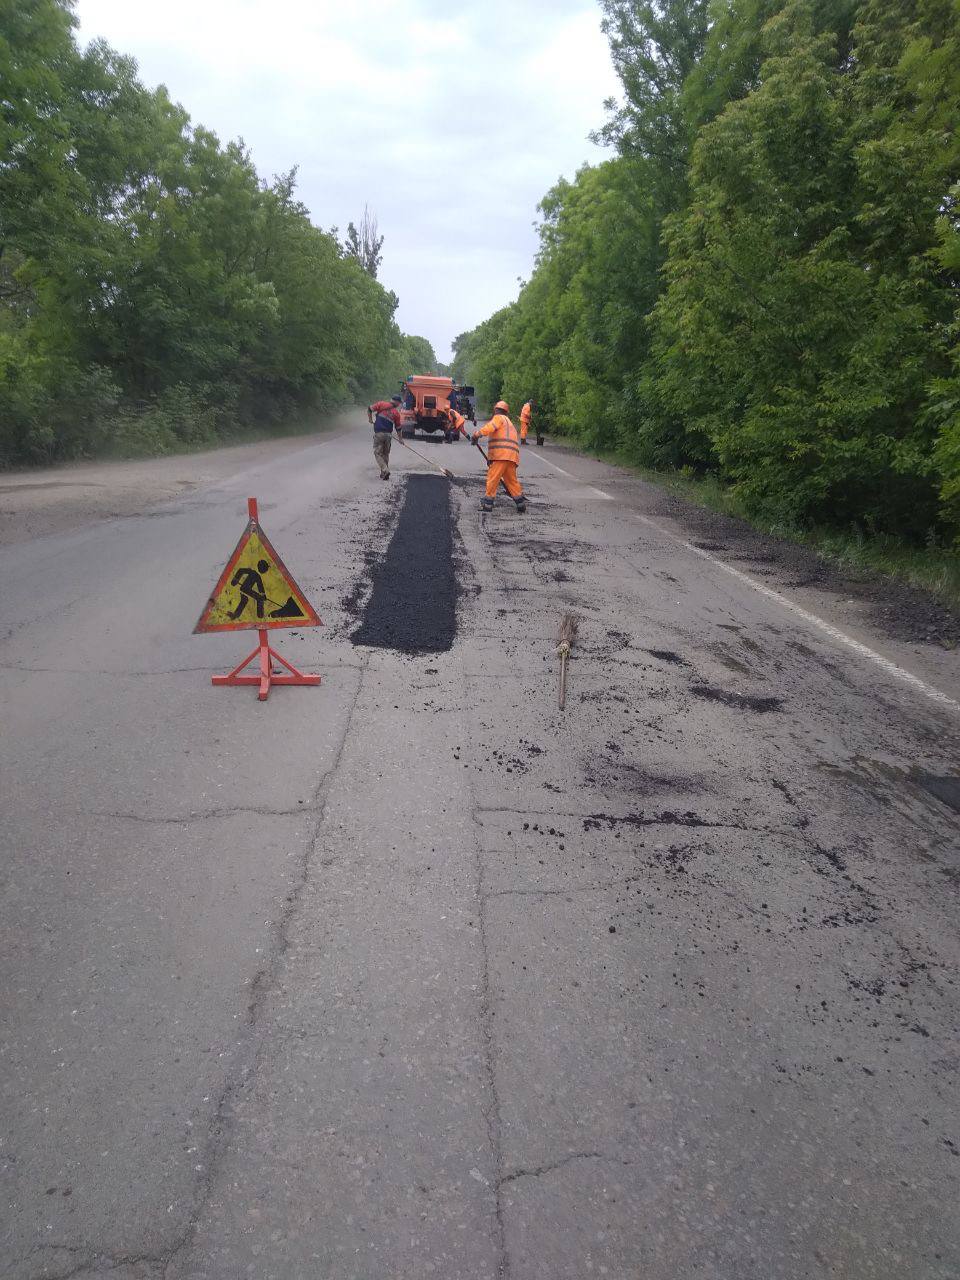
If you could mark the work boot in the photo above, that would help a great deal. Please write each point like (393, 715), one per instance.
(384, 475)
(521, 505)
(486, 504)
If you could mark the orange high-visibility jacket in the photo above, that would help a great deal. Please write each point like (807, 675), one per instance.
(504, 440)
(457, 420)
(525, 413)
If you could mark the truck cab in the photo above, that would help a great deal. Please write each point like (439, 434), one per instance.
(466, 398)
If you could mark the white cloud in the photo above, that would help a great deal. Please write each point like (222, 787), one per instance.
(450, 121)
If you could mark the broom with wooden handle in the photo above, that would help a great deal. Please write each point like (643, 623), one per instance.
(568, 634)
(417, 454)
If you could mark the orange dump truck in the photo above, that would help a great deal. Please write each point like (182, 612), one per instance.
(426, 400)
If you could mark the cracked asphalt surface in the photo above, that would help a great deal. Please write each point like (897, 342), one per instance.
(413, 975)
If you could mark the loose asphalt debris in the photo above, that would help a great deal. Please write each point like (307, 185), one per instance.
(413, 603)
(666, 655)
(904, 613)
(946, 788)
(742, 701)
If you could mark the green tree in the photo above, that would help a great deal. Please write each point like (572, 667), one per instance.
(655, 45)
(38, 182)
(765, 282)
(800, 324)
(418, 356)
(364, 244)
(153, 291)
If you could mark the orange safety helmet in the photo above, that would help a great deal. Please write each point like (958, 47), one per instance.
(501, 405)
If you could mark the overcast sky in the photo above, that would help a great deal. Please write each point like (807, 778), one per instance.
(449, 120)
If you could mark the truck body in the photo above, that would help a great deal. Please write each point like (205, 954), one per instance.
(426, 401)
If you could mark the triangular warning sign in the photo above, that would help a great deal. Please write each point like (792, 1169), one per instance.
(256, 590)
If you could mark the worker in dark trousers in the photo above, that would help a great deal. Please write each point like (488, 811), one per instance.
(385, 415)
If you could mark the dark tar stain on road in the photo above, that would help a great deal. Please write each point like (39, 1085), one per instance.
(597, 821)
(413, 602)
(667, 655)
(946, 788)
(742, 701)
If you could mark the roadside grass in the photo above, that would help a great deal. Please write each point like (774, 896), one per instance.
(933, 569)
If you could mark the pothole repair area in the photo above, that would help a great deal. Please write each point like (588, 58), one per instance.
(413, 602)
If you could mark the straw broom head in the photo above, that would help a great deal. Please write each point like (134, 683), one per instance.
(568, 633)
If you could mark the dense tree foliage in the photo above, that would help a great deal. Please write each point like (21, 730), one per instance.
(417, 356)
(765, 281)
(154, 292)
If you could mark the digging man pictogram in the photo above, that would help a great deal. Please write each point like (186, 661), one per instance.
(249, 582)
(250, 585)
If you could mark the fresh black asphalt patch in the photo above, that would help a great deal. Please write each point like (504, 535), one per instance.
(413, 604)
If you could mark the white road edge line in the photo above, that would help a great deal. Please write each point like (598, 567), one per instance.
(571, 476)
(891, 668)
(568, 474)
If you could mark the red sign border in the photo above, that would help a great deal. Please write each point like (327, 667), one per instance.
(258, 624)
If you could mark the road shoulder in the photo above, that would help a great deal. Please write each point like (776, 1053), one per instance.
(901, 624)
(46, 501)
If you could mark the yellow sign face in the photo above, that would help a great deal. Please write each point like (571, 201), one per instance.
(256, 590)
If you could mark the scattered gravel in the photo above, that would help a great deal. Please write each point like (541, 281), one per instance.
(902, 612)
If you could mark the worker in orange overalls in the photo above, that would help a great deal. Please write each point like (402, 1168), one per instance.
(525, 415)
(456, 420)
(503, 457)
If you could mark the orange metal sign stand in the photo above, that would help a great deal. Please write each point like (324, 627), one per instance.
(268, 674)
(296, 612)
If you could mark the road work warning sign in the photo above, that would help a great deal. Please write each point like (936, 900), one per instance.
(256, 590)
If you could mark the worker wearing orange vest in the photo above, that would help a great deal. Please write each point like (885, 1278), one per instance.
(503, 457)
(457, 420)
(525, 415)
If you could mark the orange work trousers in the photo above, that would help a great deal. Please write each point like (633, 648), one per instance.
(507, 472)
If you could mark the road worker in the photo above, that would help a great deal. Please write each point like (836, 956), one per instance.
(385, 415)
(456, 419)
(526, 413)
(503, 457)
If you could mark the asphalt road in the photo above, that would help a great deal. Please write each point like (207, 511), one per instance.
(413, 975)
